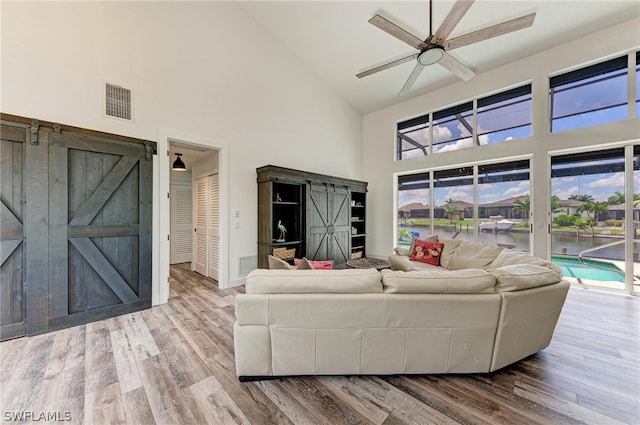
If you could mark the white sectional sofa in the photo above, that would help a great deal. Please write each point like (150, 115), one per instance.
(483, 309)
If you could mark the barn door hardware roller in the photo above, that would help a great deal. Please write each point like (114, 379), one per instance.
(35, 126)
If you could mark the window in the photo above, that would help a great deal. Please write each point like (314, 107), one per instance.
(505, 116)
(413, 137)
(453, 128)
(503, 204)
(589, 96)
(500, 117)
(414, 218)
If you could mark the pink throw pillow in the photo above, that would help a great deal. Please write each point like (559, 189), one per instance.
(317, 265)
(427, 252)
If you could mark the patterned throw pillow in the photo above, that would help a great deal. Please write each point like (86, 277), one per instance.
(427, 252)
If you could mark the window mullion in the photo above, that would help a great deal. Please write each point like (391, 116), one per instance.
(474, 133)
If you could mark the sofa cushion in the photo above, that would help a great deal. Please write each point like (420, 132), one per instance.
(448, 251)
(437, 280)
(523, 276)
(278, 264)
(510, 257)
(402, 262)
(470, 255)
(427, 252)
(348, 281)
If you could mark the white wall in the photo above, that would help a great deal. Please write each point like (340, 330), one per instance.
(203, 69)
(379, 130)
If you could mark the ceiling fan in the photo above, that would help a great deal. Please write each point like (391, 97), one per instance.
(434, 49)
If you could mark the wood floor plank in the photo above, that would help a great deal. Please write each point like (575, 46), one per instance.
(372, 409)
(125, 360)
(104, 406)
(249, 397)
(211, 404)
(165, 398)
(20, 391)
(175, 364)
(100, 366)
(186, 366)
(136, 408)
(63, 391)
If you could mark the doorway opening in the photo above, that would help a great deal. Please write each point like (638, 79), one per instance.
(194, 195)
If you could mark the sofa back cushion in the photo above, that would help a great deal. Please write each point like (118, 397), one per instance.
(469, 255)
(348, 281)
(448, 251)
(510, 257)
(523, 276)
(438, 281)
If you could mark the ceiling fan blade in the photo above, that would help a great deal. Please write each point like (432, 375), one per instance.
(412, 78)
(489, 32)
(456, 67)
(453, 18)
(387, 65)
(400, 33)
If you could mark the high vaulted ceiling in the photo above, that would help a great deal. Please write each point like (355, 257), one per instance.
(334, 39)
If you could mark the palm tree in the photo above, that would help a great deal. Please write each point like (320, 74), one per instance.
(583, 198)
(523, 206)
(451, 211)
(598, 209)
(554, 203)
(616, 199)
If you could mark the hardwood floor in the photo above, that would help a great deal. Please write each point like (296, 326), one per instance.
(173, 364)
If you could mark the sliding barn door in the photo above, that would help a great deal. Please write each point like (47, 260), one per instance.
(100, 212)
(12, 289)
(75, 220)
(328, 223)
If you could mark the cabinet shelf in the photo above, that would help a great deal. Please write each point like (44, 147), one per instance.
(360, 235)
(286, 203)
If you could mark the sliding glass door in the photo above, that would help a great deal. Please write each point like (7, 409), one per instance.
(592, 193)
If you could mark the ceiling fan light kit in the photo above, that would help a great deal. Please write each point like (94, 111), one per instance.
(431, 56)
(434, 49)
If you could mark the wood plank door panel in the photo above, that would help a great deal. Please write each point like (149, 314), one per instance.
(328, 223)
(75, 228)
(341, 225)
(100, 229)
(12, 289)
(317, 222)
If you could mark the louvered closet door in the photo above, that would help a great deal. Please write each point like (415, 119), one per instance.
(201, 224)
(181, 223)
(214, 226)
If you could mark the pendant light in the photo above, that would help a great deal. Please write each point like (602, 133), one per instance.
(178, 165)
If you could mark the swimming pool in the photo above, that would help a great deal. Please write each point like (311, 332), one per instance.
(591, 270)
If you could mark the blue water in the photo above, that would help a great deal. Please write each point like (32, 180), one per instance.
(592, 270)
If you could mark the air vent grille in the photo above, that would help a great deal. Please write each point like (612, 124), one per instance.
(117, 102)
